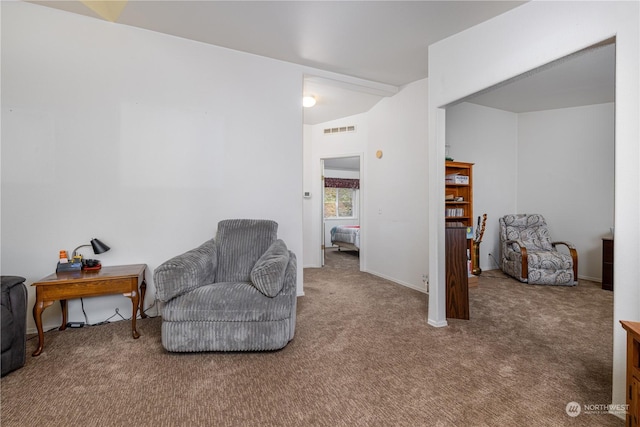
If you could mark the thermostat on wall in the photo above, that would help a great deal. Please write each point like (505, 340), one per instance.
(307, 194)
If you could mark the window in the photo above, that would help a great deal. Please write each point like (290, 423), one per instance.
(339, 202)
(341, 197)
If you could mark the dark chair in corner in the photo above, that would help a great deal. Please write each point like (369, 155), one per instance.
(14, 323)
(236, 292)
(529, 255)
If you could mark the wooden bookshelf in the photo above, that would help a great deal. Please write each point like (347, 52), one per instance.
(459, 200)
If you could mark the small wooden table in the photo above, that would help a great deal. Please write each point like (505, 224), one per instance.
(633, 372)
(62, 286)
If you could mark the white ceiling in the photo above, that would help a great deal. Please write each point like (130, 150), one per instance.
(381, 45)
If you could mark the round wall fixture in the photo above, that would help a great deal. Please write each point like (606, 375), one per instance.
(308, 101)
(379, 154)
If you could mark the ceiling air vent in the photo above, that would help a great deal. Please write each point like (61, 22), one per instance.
(341, 129)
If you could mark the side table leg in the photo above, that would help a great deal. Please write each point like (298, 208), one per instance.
(134, 301)
(143, 291)
(38, 308)
(63, 306)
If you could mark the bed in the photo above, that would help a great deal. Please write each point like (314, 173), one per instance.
(346, 237)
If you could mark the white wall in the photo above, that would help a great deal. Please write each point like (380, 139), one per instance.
(566, 173)
(488, 138)
(492, 52)
(396, 196)
(558, 163)
(141, 139)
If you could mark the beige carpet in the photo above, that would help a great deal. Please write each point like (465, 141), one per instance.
(363, 355)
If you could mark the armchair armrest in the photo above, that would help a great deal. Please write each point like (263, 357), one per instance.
(567, 244)
(9, 282)
(525, 259)
(8, 291)
(186, 272)
(574, 256)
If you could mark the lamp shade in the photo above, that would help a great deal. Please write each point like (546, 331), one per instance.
(98, 246)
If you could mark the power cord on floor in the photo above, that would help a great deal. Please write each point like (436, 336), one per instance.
(86, 319)
(153, 305)
(494, 260)
(105, 321)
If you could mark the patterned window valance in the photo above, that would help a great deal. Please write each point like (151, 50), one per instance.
(342, 183)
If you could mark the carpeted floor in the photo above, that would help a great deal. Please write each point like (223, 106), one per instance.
(363, 355)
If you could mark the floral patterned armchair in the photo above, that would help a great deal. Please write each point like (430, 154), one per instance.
(529, 255)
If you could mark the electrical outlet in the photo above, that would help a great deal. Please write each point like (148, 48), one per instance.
(425, 278)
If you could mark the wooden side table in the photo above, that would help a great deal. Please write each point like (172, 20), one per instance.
(123, 279)
(633, 372)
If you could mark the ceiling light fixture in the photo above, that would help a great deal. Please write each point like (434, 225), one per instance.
(308, 101)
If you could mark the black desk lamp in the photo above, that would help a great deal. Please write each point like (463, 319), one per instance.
(97, 245)
(77, 263)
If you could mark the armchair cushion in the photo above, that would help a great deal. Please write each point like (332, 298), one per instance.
(531, 231)
(240, 243)
(186, 272)
(267, 274)
(227, 302)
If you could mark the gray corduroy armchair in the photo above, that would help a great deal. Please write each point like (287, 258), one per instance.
(236, 292)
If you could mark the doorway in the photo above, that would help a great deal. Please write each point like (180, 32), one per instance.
(556, 88)
(530, 140)
(342, 207)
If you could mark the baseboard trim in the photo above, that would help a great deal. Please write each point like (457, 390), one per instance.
(435, 324)
(399, 282)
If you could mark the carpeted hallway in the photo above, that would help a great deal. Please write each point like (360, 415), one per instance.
(363, 355)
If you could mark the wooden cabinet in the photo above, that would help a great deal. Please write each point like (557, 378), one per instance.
(633, 372)
(457, 289)
(607, 263)
(459, 200)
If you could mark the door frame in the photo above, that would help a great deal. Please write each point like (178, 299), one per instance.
(361, 209)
